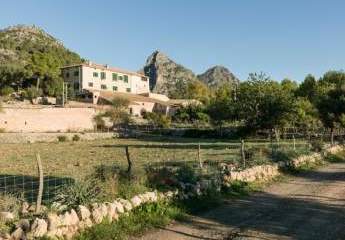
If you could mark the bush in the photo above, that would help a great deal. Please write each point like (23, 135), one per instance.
(9, 203)
(186, 174)
(62, 138)
(158, 120)
(76, 138)
(317, 145)
(6, 91)
(78, 193)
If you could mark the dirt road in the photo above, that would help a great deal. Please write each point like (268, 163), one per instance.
(307, 206)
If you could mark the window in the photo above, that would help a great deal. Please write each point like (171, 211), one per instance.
(76, 86)
(114, 88)
(114, 76)
(125, 78)
(103, 76)
(128, 90)
(120, 78)
(144, 79)
(76, 73)
(103, 86)
(95, 74)
(67, 75)
(90, 84)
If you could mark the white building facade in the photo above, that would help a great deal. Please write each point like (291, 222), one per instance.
(104, 78)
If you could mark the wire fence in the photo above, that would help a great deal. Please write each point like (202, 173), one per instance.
(65, 163)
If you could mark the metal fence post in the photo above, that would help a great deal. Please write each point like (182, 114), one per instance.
(40, 187)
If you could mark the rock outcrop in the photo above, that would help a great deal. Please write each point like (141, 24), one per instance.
(218, 76)
(166, 76)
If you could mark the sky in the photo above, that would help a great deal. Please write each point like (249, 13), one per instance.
(283, 38)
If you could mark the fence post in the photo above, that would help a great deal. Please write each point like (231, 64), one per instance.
(129, 169)
(40, 187)
(243, 154)
(294, 142)
(199, 156)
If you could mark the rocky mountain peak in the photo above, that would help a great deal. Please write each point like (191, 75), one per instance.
(217, 76)
(166, 76)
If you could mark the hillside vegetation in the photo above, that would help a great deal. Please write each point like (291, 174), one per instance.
(28, 53)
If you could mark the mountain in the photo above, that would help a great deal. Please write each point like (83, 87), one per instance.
(30, 52)
(166, 76)
(217, 76)
(170, 78)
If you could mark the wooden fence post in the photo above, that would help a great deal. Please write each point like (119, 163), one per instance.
(199, 156)
(129, 169)
(243, 154)
(40, 187)
(294, 142)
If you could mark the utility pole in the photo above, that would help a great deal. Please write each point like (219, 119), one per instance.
(63, 94)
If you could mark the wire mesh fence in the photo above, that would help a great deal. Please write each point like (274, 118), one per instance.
(65, 163)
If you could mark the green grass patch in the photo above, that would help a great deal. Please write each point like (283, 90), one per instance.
(139, 220)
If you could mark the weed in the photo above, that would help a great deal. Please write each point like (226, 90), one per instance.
(62, 138)
(75, 138)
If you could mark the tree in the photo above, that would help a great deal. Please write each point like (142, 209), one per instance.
(118, 113)
(199, 91)
(331, 100)
(158, 119)
(192, 113)
(308, 88)
(264, 104)
(222, 106)
(306, 116)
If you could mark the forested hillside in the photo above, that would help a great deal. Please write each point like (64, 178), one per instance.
(28, 53)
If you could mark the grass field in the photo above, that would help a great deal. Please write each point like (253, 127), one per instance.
(68, 161)
(77, 159)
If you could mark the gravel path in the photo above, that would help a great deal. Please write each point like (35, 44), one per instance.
(307, 206)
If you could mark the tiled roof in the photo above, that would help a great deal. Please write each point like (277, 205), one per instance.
(133, 98)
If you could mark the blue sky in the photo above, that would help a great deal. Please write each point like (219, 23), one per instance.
(284, 38)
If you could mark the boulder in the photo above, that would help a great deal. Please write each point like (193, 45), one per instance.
(18, 234)
(24, 224)
(119, 207)
(84, 212)
(126, 204)
(53, 221)
(24, 208)
(39, 228)
(136, 201)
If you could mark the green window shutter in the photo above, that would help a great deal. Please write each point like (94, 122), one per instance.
(128, 89)
(103, 75)
(114, 76)
(95, 74)
(120, 77)
(125, 78)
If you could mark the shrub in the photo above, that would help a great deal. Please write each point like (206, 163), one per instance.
(9, 202)
(6, 91)
(186, 174)
(75, 138)
(78, 193)
(317, 145)
(62, 138)
(158, 120)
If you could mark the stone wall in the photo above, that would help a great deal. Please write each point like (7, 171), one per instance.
(51, 137)
(46, 119)
(270, 171)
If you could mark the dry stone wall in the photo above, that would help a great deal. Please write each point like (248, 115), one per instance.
(270, 171)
